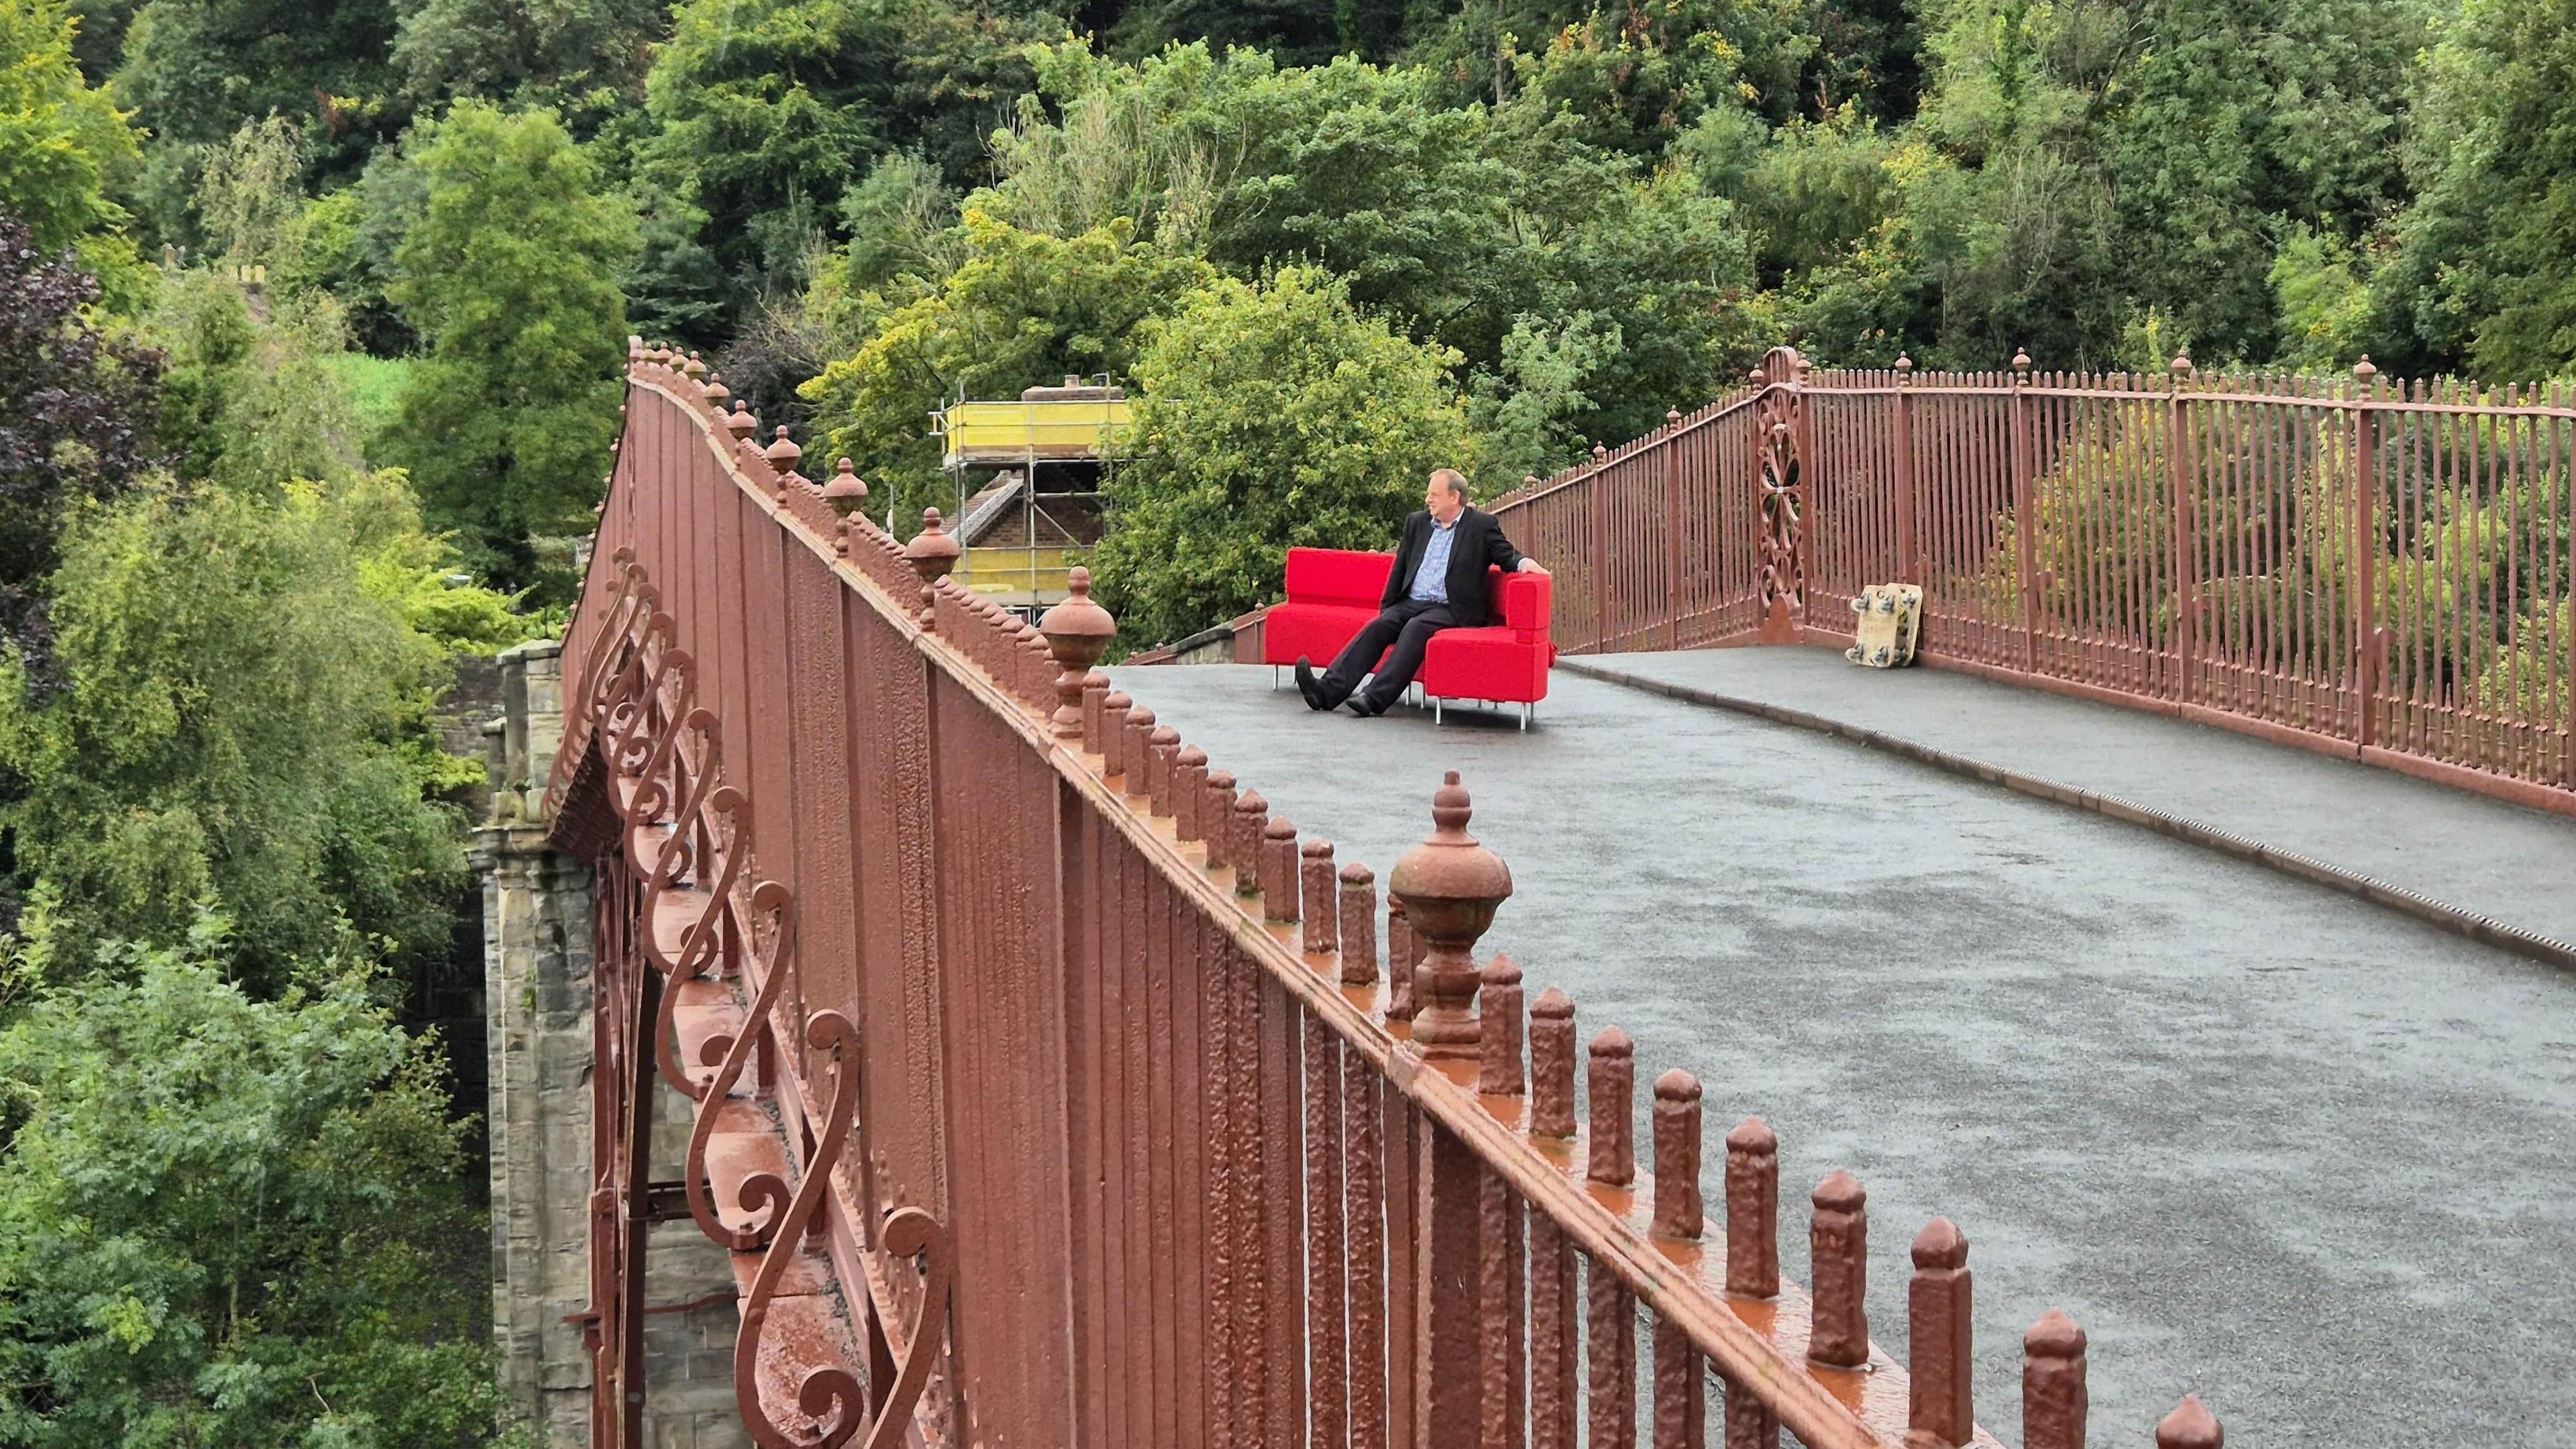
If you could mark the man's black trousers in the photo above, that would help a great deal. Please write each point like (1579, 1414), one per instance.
(1408, 625)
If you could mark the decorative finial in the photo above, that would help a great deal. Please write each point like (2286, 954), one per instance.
(846, 491)
(1449, 886)
(1672, 417)
(2181, 365)
(2054, 1404)
(2021, 360)
(2054, 1336)
(1940, 1245)
(695, 368)
(932, 553)
(783, 453)
(2363, 369)
(1600, 451)
(1077, 633)
(2190, 1426)
(715, 392)
(740, 422)
(1904, 365)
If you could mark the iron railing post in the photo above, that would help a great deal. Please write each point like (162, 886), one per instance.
(2025, 513)
(1803, 437)
(1672, 528)
(2365, 554)
(1600, 550)
(1909, 553)
(2186, 562)
(639, 1218)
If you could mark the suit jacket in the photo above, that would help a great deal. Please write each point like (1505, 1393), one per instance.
(1477, 542)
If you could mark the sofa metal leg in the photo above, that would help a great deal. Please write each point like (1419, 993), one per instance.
(1435, 709)
(1525, 718)
(1274, 679)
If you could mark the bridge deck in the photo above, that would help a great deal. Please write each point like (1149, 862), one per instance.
(2478, 854)
(2291, 1147)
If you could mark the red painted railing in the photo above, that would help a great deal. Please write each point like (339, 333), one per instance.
(2373, 570)
(960, 948)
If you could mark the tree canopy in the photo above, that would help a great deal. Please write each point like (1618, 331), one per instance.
(1275, 413)
(508, 272)
(226, 1220)
(66, 152)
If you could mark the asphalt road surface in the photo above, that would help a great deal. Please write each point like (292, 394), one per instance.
(2288, 1150)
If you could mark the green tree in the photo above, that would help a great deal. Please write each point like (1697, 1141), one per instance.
(2485, 270)
(2325, 306)
(508, 274)
(78, 425)
(65, 150)
(1466, 225)
(1295, 32)
(2079, 169)
(904, 238)
(252, 193)
(101, 41)
(1274, 413)
(576, 55)
(238, 673)
(195, 70)
(224, 1221)
(767, 109)
(1023, 308)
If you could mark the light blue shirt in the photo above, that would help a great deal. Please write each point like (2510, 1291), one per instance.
(1431, 581)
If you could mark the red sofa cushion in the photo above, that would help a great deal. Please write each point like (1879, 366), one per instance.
(1524, 601)
(1485, 664)
(1317, 631)
(1338, 576)
(1506, 661)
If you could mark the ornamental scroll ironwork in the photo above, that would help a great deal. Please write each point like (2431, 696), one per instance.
(680, 859)
(828, 1394)
(773, 929)
(1779, 428)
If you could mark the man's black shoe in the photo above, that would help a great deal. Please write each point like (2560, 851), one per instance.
(1309, 686)
(1360, 706)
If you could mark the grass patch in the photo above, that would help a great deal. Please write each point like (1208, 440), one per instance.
(375, 386)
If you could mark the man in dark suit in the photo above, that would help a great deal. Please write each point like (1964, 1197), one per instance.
(1438, 582)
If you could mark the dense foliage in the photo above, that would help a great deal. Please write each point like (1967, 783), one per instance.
(235, 1204)
(1275, 413)
(64, 150)
(507, 270)
(1601, 213)
(73, 429)
(224, 1220)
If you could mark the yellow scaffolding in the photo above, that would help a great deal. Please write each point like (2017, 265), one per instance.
(1057, 429)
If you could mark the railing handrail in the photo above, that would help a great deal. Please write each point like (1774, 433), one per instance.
(1717, 411)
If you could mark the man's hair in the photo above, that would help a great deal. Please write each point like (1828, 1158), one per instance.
(1451, 479)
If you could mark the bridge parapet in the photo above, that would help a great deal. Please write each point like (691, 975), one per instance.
(2373, 569)
(1042, 1084)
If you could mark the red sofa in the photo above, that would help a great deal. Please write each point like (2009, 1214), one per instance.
(1333, 592)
